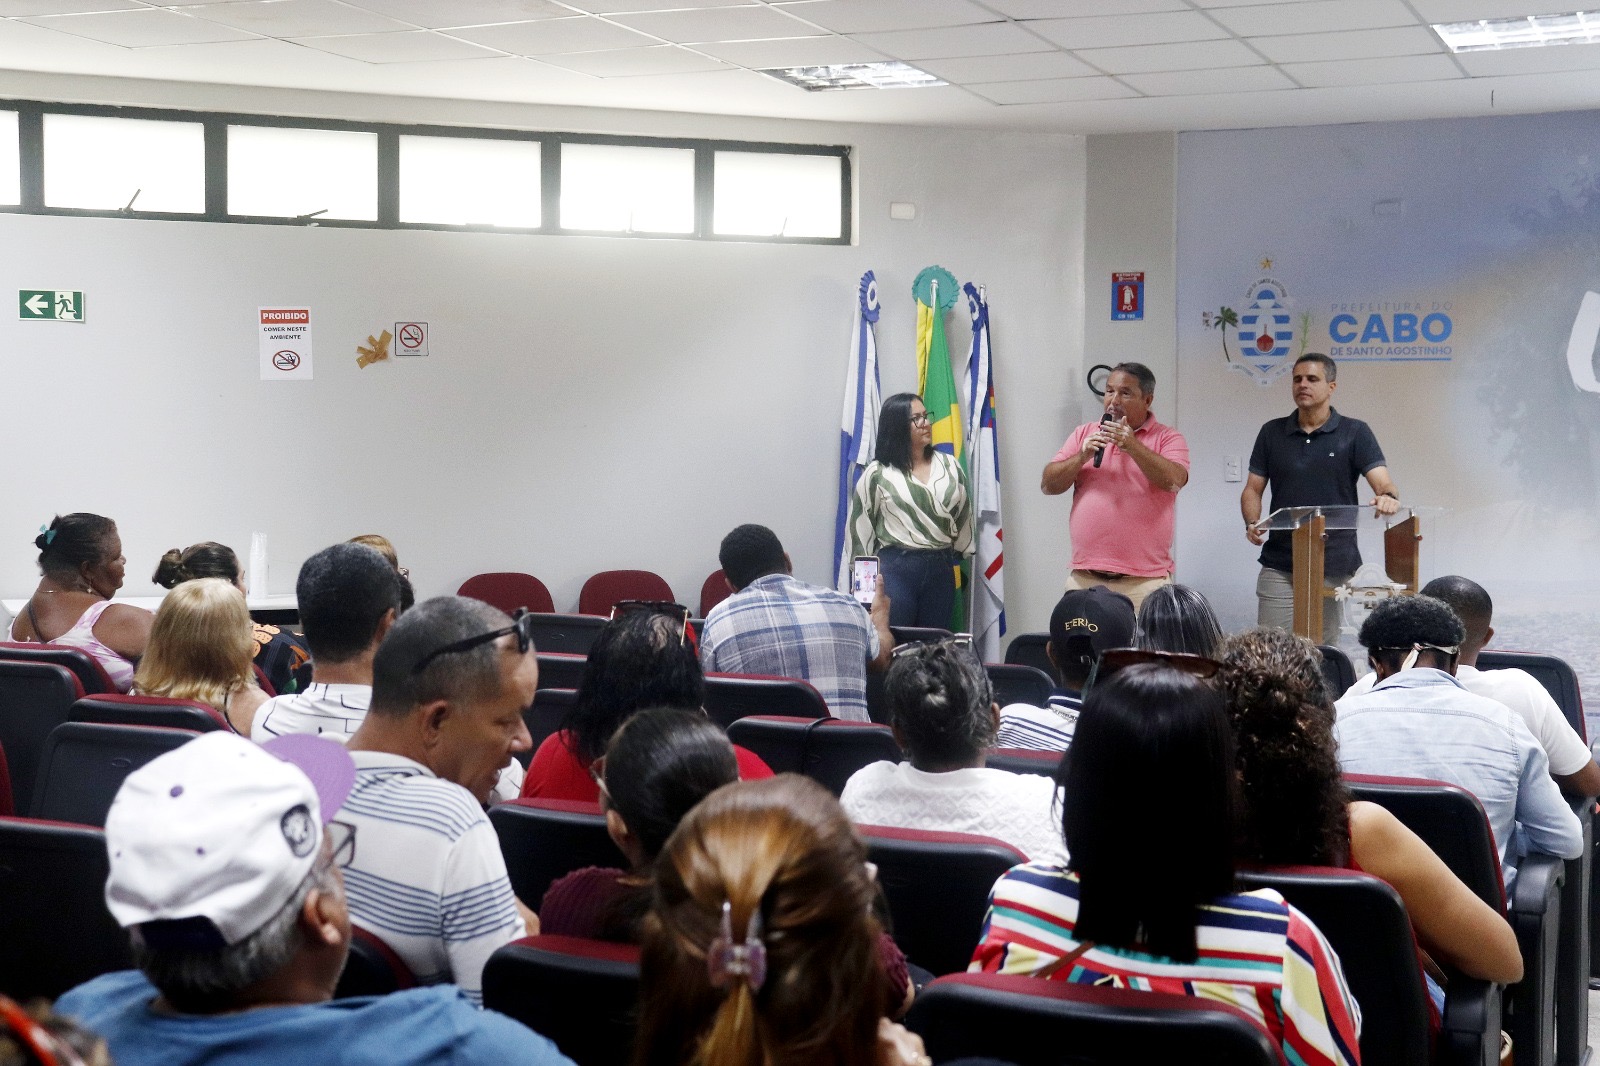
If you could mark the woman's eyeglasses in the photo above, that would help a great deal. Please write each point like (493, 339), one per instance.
(521, 625)
(1115, 659)
(921, 420)
(666, 607)
(47, 1048)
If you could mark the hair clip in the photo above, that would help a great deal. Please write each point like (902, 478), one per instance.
(726, 960)
(49, 535)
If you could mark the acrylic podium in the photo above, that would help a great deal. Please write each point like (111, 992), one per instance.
(1308, 528)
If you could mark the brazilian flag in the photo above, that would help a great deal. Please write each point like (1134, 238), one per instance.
(936, 292)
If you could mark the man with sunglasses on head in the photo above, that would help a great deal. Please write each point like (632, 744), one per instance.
(225, 867)
(449, 686)
(1419, 721)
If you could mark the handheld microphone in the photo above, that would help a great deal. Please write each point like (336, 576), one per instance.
(1100, 452)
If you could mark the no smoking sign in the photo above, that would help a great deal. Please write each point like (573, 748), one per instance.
(410, 338)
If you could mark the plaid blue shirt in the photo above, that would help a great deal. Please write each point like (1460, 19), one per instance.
(777, 625)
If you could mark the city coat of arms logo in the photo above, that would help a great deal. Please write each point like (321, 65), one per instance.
(1267, 337)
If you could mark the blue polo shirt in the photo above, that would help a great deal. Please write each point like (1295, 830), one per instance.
(1320, 468)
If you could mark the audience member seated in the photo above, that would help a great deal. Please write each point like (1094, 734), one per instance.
(201, 649)
(1085, 623)
(776, 624)
(37, 1036)
(225, 868)
(640, 659)
(284, 660)
(381, 544)
(348, 597)
(80, 558)
(1297, 810)
(1570, 761)
(1148, 899)
(762, 944)
(942, 711)
(1419, 721)
(449, 685)
(1178, 618)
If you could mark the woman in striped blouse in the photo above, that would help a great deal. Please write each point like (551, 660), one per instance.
(911, 510)
(1147, 900)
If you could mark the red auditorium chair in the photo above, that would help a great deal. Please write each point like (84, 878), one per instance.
(1016, 683)
(372, 969)
(828, 750)
(560, 669)
(918, 635)
(567, 634)
(937, 886)
(608, 588)
(54, 927)
(1366, 924)
(1024, 760)
(713, 592)
(545, 715)
(6, 807)
(117, 709)
(730, 697)
(582, 994)
(83, 764)
(1028, 1022)
(1337, 672)
(1027, 649)
(508, 590)
(543, 840)
(1450, 820)
(91, 675)
(35, 697)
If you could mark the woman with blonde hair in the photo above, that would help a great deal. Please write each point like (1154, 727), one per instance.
(201, 648)
(762, 945)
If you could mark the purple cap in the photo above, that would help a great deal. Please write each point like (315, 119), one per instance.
(325, 762)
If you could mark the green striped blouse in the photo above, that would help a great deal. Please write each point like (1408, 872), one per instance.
(892, 508)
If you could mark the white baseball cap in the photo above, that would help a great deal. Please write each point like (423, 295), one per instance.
(222, 829)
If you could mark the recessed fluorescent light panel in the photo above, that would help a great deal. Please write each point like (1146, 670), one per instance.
(856, 76)
(1528, 31)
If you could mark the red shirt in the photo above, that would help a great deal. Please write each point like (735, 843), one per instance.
(556, 772)
(1120, 522)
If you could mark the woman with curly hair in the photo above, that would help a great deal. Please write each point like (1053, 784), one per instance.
(1298, 811)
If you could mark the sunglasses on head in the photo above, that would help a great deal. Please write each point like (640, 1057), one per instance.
(1114, 659)
(521, 626)
(666, 607)
(957, 640)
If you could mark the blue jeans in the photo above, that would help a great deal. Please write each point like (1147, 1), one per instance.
(921, 585)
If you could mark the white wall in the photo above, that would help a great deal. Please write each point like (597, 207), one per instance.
(590, 403)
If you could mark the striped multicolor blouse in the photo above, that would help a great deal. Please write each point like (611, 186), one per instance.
(1256, 953)
(890, 507)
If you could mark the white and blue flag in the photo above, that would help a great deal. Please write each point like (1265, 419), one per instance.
(858, 428)
(988, 597)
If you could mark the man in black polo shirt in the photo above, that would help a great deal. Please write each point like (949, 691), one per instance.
(1314, 456)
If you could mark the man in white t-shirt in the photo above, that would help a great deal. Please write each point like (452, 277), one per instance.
(1571, 763)
(348, 598)
(1085, 623)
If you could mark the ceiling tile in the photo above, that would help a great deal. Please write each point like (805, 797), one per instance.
(1051, 91)
(295, 18)
(582, 33)
(1028, 67)
(636, 62)
(1248, 3)
(990, 39)
(433, 15)
(1388, 71)
(410, 46)
(1315, 17)
(1202, 82)
(874, 16)
(717, 24)
(1468, 10)
(792, 52)
(140, 28)
(1196, 55)
(1352, 44)
(18, 8)
(618, 7)
(1049, 9)
(1113, 31)
(1530, 60)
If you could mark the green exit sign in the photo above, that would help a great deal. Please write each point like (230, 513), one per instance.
(55, 305)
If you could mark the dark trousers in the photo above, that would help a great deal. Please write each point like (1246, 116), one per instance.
(921, 585)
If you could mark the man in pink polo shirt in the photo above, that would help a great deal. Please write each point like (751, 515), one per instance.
(1123, 506)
